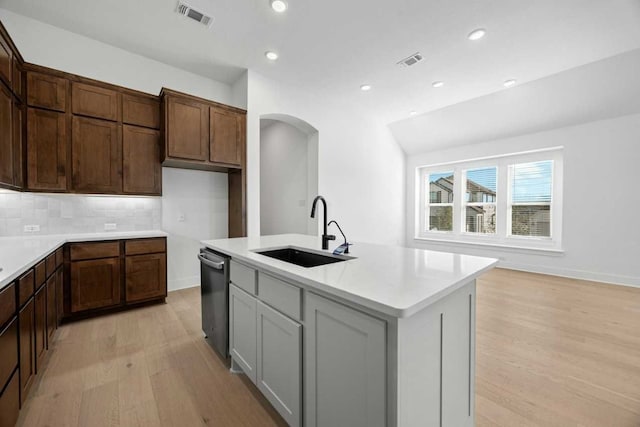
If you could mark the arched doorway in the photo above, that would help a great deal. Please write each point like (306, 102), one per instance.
(288, 175)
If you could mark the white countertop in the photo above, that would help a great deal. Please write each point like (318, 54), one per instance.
(393, 280)
(20, 253)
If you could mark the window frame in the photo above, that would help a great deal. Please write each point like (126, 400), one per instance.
(465, 203)
(502, 237)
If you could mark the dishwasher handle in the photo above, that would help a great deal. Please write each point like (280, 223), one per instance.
(212, 264)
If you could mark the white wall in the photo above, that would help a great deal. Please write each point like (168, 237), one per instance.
(199, 194)
(360, 170)
(601, 236)
(194, 208)
(283, 179)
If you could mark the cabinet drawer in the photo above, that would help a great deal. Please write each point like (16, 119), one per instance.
(94, 250)
(40, 273)
(94, 101)
(47, 91)
(26, 287)
(8, 351)
(59, 257)
(10, 403)
(7, 304)
(144, 246)
(280, 295)
(141, 111)
(50, 263)
(243, 277)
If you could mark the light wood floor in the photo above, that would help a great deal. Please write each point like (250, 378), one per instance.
(550, 352)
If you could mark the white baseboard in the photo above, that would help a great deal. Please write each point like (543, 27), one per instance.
(183, 283)
(613, 279)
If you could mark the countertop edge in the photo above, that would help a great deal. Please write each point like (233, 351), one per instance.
(72, 238)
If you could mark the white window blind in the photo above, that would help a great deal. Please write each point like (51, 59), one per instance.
(479, 204)
(531, 197)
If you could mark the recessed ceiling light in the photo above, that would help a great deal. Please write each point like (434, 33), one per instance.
(437, 84)
(272, 56)
(365, 88)
(413, 113)
(477, 34)
(279, 5)
(509, 83)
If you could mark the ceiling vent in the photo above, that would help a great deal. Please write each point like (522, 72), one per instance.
(186, 10)
(411, 60)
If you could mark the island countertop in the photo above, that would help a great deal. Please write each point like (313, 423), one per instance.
(393, 280)
(19, 253)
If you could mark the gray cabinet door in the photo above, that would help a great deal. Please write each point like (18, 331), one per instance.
(280, 363)
(242, 330)
(345, 381)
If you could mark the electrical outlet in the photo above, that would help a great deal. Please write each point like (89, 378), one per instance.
(181, 217)
(32, 228)
(110, 226)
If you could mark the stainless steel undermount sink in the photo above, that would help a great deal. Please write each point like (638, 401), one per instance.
(302, 257)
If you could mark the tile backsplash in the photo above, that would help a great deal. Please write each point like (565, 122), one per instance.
(68, 213)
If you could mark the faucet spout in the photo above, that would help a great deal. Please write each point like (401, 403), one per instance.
(325, 237)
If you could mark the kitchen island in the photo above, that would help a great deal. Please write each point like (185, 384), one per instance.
(383, 337)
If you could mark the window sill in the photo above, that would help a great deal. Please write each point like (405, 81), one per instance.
(500, 246)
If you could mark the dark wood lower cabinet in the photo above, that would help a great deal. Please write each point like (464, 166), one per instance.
(8, 351)
(95, 284)
(146, 277)
(10, 402)
(40, 308)
(52, 320)
(27, 341)
(59, 295)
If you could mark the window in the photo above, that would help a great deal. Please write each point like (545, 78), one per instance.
(511, 200)
(440, 201)
(479, 204)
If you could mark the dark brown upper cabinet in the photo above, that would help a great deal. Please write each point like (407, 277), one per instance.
(17, 79)
(19, 145)
(142, 173)
(6, 61)
(225, 140)
(95, 101)
(187, 129)
(6, 137)
(141, 111)
(46, 150)
(96, 153)
(47, 91)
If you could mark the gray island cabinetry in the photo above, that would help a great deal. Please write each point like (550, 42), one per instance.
(386, 338)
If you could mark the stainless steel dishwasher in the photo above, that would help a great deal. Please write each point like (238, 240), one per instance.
(214, 289)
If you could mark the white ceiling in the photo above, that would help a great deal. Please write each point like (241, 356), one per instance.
(332, 46)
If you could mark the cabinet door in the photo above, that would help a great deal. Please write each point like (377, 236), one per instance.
(187, 129)
(146, 277)
(141, 111)
(46, 150)
(27, 343)
(59, 295)
(40, 309)
(6, 137)
(280, 363)
(95, 284)
(345, 381)
(52, 321)
(18, 79)
(225, 136)
(95, 101)
(96, 153)
(142, 172)
(6, 59)
(10, 402)
(18, 145)
(46, 91)
(242, 330)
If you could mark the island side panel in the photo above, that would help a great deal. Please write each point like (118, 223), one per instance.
(436, 363)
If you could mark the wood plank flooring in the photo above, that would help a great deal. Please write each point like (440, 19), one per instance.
(550, 352)
(556, 352)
